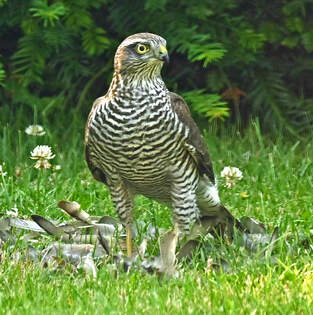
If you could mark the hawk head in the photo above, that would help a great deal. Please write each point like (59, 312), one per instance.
(142, 54)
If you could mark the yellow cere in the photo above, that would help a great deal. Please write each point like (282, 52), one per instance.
(142, 49)
(163, 49)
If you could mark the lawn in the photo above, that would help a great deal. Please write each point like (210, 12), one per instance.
(276, 189)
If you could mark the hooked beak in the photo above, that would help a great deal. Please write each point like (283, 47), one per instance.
(163, 54)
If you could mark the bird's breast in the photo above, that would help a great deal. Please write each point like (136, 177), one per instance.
(138, 137)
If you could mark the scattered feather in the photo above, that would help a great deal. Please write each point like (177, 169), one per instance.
(257, 237)
(168, 243)
(48, 226)
(274, 237)
(87, 239)
(25, 225)
(253, 226)
(74, 210)
(88, 265)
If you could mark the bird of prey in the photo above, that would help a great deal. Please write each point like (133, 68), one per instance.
(141, 139)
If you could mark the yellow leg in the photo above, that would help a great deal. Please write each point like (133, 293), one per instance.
(129, 240)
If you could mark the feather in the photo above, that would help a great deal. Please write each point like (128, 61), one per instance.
(195, 139)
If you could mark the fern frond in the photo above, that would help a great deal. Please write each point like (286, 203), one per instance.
(199, 49)
(207, 54)
(272, 99)
(208, 105)
(49, 14)
(250, 39)
(79, 18)
(30, 59)
(58, 37)
(94, 41)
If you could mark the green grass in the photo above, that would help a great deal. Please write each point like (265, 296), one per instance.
(278, 178)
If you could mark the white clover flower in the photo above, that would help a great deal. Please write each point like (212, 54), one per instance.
(231, 175)
(57, 167)
(35, 130)
(13, 212)
(2, 173)
(42, 153)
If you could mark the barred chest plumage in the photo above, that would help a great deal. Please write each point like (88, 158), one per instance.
(136, 133)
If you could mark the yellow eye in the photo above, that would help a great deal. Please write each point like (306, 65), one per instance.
(142, 49)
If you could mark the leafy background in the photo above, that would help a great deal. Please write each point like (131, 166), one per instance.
(233, 60)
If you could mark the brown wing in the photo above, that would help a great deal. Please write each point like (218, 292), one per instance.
(195, 139)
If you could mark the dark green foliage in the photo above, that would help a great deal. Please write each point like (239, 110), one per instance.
(257, 55)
